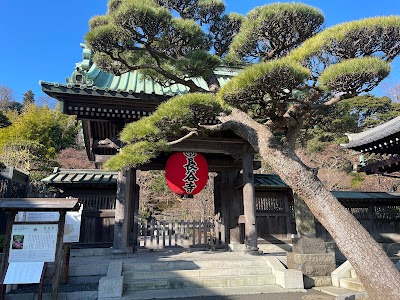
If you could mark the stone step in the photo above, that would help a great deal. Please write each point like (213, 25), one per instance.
(214, 292)
(192, 265)
(353, 273)
(81, 273)
(314, 281)
(199, 282)
(88, 252)
(139, 274)
(352, 284)
(342, 293)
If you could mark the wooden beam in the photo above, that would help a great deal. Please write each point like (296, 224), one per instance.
(221, 163)
(108, 143)
(228, 146)
(38, 204)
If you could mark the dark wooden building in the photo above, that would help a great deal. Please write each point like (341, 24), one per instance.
(378, 212)
(13, 183)
(96, 191)
(383, 139)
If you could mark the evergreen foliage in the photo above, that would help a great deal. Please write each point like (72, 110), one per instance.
(273, 30)
(4, 121)
(35, 137)
(292, 88)
(330, 124)
(354, 76)
(263, 90)
(29, 156)
(28, 98)
(15, 106)
(147, 137)
(52, 129)
(146, 35)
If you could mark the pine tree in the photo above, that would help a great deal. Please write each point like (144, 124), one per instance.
(294, 69)
(28, 98)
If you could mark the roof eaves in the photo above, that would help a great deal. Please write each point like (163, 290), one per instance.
(374, 134)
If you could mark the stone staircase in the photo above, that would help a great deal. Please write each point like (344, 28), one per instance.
(345, 278)
(198, 274)
(352, 282)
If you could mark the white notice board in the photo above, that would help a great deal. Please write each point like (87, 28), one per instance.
(72, 227)
(22, 273)
(33, 243)
(42, 216)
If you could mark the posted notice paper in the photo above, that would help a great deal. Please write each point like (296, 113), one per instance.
(22, 272)
(33, 243)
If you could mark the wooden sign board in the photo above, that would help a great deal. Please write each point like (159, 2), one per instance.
(72, 222)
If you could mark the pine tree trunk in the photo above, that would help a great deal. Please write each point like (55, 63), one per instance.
(375, 270)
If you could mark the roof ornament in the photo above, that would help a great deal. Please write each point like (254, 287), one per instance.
(79, 77)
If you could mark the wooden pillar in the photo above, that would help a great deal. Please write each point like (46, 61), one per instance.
(236, 232)
(136, 217)
(7, 240)
(372, 227)
(57, 261)
(249, 200)
(124, 211)
(222, 194)
(6, 251)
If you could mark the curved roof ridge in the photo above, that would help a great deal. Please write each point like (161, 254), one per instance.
(88, 75)
(373, 134)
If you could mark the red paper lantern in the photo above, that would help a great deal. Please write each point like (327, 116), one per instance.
(186, 173)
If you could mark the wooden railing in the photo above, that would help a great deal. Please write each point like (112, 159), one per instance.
(160, 234)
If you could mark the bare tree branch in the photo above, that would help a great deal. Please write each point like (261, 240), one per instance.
(183, 138)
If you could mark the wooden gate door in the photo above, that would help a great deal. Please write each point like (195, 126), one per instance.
(98, 218)
(273, 216)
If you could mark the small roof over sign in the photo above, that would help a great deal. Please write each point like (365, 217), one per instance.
(81, 176)
(270, 181)
(39, 204)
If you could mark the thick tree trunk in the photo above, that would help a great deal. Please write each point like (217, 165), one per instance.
(376, 271)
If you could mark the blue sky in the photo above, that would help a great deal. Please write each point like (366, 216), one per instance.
(40, 39)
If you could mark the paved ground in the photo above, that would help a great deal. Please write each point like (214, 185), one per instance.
(309, 295)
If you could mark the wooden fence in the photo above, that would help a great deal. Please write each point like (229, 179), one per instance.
(161, 234)
(381, 221)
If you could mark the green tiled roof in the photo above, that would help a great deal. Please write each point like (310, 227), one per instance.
(269, 181)
(92, 78)
(366, 196)
(132, 82)
(76, 176)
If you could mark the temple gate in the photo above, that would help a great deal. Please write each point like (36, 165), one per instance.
(105, 103)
